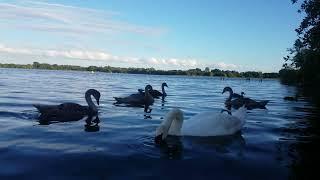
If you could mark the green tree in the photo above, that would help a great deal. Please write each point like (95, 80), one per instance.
(305, 54)
(36, 65)
(131, 70)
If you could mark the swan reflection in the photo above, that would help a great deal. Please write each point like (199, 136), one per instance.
(44, 120)
(173, 147)
(147, 112)
(92, 124)
(221, 144)
(163, 101)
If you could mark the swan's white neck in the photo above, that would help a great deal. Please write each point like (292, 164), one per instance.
(171, 124)
(91, 105)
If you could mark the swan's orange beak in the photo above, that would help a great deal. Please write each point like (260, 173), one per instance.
(98, 101)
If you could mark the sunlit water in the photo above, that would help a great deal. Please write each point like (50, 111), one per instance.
(275, 143)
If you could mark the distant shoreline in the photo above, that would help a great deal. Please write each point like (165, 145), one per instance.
(108, 69)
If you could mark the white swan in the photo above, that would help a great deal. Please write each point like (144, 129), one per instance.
(202, 124)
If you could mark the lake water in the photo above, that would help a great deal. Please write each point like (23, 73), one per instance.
(276, 143)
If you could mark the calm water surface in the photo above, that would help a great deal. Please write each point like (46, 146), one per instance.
(276, 143)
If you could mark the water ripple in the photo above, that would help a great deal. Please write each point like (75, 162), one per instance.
(273, 136)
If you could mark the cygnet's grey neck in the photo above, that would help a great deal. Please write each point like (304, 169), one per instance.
(91, 105)
(163, 90)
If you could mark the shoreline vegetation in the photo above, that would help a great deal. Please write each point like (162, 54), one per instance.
(302, 65)
(130, 70)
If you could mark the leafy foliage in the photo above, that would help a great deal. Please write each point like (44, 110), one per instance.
(304, 57)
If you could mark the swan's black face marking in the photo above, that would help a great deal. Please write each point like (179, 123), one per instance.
(158, 139)
(148, 87)
(226, 89)
(164, 84)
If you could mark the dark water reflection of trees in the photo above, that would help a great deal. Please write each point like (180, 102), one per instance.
(300, 142)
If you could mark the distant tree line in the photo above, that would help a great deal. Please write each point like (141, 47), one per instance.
(131, 70)
(302, 65)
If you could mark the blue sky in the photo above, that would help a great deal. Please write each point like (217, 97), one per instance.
(169, 34)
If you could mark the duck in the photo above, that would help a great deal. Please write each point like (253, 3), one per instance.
(203, 124)
(69, 111)
(236, 101)
(138, 98)
(156, 93)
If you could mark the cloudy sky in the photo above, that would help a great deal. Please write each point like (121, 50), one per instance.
(168, 34)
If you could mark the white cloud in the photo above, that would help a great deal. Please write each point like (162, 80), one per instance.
(100, 56)
(15, 12)
(172, 62)
(225, 66)
(108, 58)
(48, 17)
(71, 54)
(10, 50)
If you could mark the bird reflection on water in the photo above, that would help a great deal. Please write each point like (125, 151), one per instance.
(92, 122)
(173, 146)
(43, 120)
(234, 144)
(147, 112)
(92, 125)
(162, 102)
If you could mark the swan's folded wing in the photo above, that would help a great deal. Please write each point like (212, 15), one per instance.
(235, 95)
(132, 99)
(155, 93)
(45, 108)
(72, 107)
(211, 124)
(204, 124)
(62, 108)
(62, 112)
